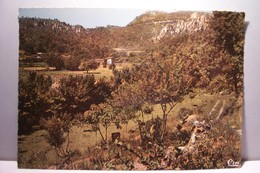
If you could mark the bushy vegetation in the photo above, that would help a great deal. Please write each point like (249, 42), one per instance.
(33, 104)
(72, 63)
(179, 107)
(46, 35)
(89, 65)
(75, 94)
(54, 60)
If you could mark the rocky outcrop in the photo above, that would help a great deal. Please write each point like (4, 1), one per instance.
(196, 22)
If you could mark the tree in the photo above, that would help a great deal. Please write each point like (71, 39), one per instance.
(120, 76)
(162, 85)
(100, 114)
(153, 82)
(127, 102)
(33, 100)
(54, 60)
(75, 94)
(229, 29)
(104, 63)
(103, 90)
(89, 65)
(58, 126)
(72, 63)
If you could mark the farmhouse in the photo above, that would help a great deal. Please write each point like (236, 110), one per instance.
(110, 61)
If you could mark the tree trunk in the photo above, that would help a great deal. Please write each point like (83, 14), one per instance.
(101, 135)
(163, 107)
(96, 136)
(106, 132)
(67, 147)
(165, 117)
(235, 84)
(235, 79)
(141, 126)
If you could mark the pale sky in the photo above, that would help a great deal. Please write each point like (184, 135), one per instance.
(87, 17)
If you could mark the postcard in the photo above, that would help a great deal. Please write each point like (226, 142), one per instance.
(128, 89)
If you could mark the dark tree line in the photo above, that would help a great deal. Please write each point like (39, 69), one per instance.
(72, 63)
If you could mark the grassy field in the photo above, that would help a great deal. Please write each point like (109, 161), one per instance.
(32, 64)
(100, 72)
(43, 68)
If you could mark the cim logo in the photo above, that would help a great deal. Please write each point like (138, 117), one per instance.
(233, 164)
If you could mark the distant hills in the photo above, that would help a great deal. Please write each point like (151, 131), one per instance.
(161, 24)
(147, 30)
(46, 35)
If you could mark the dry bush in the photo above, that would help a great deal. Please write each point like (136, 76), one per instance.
(58, 128)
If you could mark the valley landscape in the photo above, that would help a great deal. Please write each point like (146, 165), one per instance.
(164, 92)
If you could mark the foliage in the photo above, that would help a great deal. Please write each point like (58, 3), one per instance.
(103, 90)
(46, 35)
(104, 63)
(127, 102)
(150, 131)
(54, 60)
(58, 127)
(211, 150)
(72, 63)
(121, 76)
(169, 69)
(75, 94)
(152, 82)
(215, 84)
(100, 115)
(89, 65)
(33, 102)
(232, 39)
(184, 113)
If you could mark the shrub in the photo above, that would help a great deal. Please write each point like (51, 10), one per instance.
(112, 66)
(184, 113)
(54, 60)
(89, 65)
(219, 83)
(104, 63)
(75, 94)
(72, 63)
(33, 100)
(58, 128)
